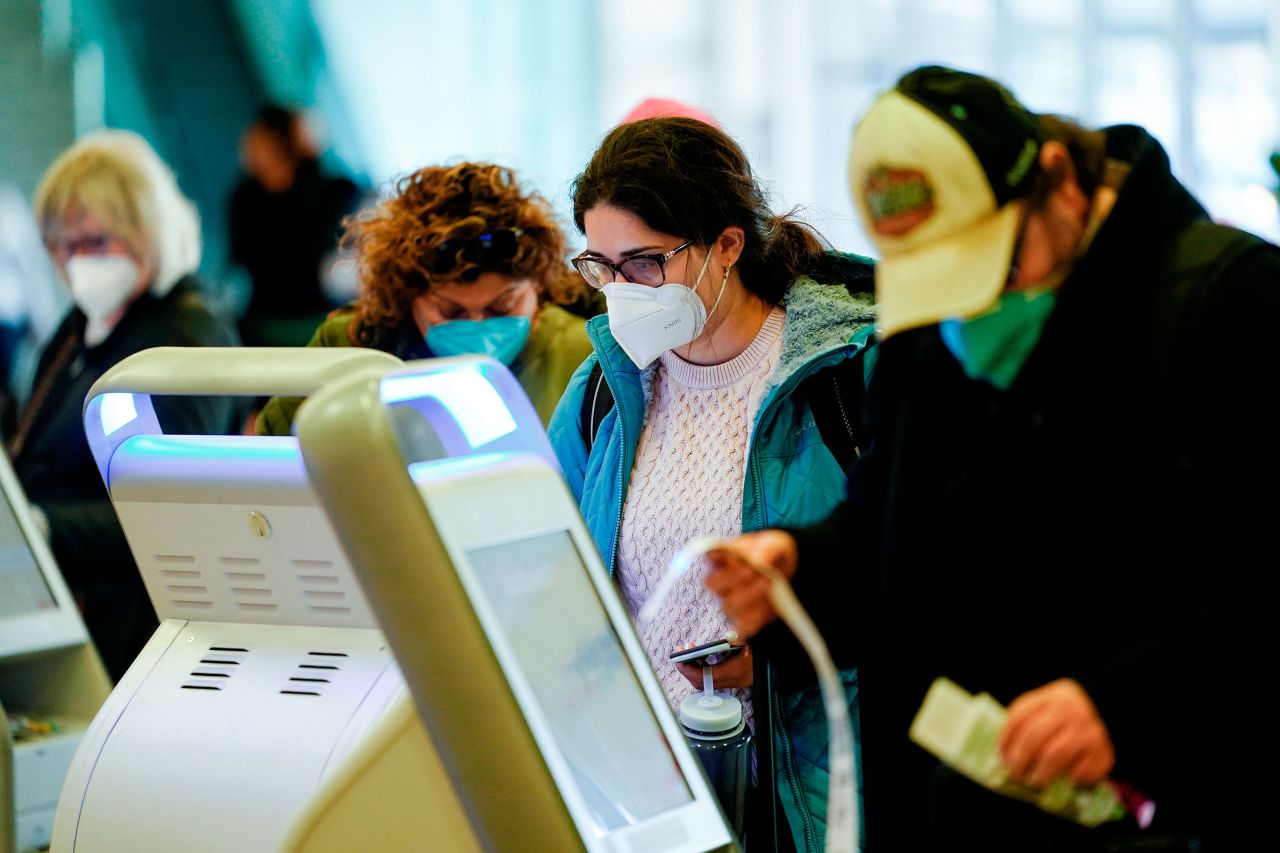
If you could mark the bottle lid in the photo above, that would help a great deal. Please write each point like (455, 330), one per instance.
(711, 714)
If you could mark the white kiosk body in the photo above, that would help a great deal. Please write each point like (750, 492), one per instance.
(267, 667)
(267, 711)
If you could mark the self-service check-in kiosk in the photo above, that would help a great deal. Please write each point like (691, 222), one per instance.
(268, 713)
(521, 658)
(51, 681)
(267, 667)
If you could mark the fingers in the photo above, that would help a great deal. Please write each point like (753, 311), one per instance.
(1055, 757)
(735, 672)
(748, 607)
(1055, 731)
(691, 673)
(766, 548)
(1094, 763)
(743, 592)
(1026, 749)
(727, 570)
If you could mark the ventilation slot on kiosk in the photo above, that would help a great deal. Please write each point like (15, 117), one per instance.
(250, 598)
(318, 588)
(224, 656)
(185, 590)
(304, 685)
(314, 674)
(216, 666)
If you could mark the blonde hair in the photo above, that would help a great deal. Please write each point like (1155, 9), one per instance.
(118, 178)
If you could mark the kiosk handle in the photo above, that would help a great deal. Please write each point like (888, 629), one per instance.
(118, 406)
(238, 371)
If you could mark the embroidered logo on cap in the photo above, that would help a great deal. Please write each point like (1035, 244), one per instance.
(897, 199)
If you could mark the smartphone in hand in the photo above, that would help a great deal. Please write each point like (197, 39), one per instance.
(708, 654)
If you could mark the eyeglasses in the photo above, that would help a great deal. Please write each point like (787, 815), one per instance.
(88, 244)
(637, 269)
(487, 250)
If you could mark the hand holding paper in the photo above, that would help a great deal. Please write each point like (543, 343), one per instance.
(965, 732)
(743, 590)
(1055, 731)
(757, 567)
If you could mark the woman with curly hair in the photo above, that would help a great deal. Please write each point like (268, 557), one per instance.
(460, 260)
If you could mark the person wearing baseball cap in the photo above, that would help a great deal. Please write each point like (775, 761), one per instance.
(1069, 431)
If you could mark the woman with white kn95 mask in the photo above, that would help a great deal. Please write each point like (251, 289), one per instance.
(127, 243)
(723, 395)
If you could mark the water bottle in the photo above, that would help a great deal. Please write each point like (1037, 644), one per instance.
(718, 735)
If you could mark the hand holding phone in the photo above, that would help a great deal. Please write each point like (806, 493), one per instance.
(704, 649)
(731, 663)
(706, 654)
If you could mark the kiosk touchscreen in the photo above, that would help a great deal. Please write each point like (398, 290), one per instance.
(51, 681)
(521, 658)
(36, 611)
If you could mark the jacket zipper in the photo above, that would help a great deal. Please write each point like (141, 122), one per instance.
(778, 733)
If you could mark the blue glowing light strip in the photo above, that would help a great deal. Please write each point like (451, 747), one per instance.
(219, 449)
(466, 394)
(420, 471)
(118, 411)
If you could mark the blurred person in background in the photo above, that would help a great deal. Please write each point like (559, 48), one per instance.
(1063, 503)
(668, 108)
(461, 259)
(285, 219)
(127, 242)
(728, 326)
(32, 303)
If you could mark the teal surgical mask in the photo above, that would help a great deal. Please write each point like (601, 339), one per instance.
(501, 338)
(993, 346)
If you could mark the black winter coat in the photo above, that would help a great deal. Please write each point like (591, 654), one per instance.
(53, 461)
(1106, 519)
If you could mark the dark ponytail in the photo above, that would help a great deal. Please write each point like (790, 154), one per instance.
(688, 179)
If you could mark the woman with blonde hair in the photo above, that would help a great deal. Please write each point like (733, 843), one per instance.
(127, 243)
(461, 259)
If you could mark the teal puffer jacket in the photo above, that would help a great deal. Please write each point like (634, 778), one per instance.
(792, 480)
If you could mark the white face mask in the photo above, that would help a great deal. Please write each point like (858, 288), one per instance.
(100, 284)
(648, 321)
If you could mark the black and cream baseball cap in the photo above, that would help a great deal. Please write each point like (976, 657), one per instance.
(937, 167)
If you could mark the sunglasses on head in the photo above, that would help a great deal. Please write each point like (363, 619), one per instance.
(487, 250)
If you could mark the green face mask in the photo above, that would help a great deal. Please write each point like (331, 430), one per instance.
(993, 346)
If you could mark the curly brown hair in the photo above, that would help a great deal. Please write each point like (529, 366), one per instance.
(395, 242)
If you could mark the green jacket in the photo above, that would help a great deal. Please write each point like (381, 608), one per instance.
(556, 346)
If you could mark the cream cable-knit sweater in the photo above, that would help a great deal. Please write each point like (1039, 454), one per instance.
(687, 480)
